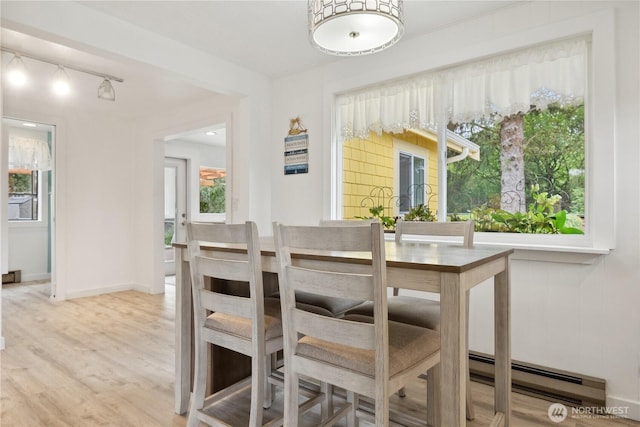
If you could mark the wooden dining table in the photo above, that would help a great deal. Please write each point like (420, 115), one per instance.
(449, 270)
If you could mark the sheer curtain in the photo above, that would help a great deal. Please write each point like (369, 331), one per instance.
(499, 86)
(29, 153)
(513, 83)
(390, 108)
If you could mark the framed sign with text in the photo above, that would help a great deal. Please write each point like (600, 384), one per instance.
(296, 149)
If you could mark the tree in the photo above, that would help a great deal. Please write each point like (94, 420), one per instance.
(212, 197)
(553, 148)
(512, 164)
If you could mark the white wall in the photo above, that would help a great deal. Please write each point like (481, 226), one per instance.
(94, 174)
(582, 318)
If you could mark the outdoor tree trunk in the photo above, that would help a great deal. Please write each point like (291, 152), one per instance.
(512, 164)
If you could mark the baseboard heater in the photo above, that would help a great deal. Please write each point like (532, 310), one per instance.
(538, 381)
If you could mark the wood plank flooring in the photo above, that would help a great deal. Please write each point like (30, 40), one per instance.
(108, 361)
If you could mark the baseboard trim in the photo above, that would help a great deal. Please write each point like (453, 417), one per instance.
(98, 291)
(633, 411)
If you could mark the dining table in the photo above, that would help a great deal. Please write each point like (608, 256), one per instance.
(447, 269)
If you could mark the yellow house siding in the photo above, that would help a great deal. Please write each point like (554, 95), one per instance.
(369, 164)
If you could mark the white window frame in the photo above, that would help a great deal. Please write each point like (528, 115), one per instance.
(600, 230)
(404, 147)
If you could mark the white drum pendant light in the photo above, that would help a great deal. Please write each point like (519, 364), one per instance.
(355, 27)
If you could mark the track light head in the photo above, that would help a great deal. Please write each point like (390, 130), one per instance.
(106, 90)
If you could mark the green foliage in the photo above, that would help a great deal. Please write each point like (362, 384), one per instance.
(377, 212)
(212, 198)
(420, 213)
(554, 159)
(540, 218)
(168, 236)
(20, 183)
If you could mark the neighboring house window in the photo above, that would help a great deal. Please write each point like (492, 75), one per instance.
(412, 180)
(23, 195)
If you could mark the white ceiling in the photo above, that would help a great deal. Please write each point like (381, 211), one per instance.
(269, 37)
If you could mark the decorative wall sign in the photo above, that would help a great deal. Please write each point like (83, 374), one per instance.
(296, 149)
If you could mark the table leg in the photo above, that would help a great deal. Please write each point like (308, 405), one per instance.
(453, 348)
(502, 309)
(183, 333)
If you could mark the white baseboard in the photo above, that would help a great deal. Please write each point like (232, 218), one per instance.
(633, 411)
(98, 291)
(32, 277)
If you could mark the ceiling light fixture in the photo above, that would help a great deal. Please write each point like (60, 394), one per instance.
(211, 133)
(61, 84)
(16, 71)
(354, 27)
(105, 89)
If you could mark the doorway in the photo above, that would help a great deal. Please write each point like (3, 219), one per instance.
(196, 187)
(30, 200)
(175, 209)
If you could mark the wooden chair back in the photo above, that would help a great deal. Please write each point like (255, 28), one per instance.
(237, 266)
(347, 222)
(336, 283)
(422, 228)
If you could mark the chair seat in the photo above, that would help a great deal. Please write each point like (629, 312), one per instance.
(334, 307)
(404, 309)
(241, 326)
(408, 345)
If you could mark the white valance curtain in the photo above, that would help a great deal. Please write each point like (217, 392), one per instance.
(496, 87)
(391, 108)
(29, 153)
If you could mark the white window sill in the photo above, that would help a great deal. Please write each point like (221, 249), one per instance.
(573, 249)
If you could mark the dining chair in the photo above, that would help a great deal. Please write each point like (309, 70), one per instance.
(249, 325)
(367, 356)
(335, 307)
(420, 311)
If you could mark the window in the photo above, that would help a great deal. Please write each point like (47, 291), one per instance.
(524, 114)
(212, 190)
(23, 195)
(411, 182)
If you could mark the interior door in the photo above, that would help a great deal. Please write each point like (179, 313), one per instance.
(175, 208)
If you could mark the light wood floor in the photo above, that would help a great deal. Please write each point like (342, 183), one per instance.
(109, 360)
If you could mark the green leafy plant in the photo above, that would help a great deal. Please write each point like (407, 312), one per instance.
(212, 198)
(540, 218)
(420, 213)
(378, 213)
(168, 237)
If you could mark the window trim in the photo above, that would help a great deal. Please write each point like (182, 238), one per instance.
(600, 229)
(403, 147)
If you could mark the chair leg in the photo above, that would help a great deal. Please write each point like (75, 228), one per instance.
(352, 418)
(199, 383)
(269, 389)
(258, 378)
(291, 398)
(326, 407)
(433, 396)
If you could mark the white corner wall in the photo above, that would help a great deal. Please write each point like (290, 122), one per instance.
(581, 318)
